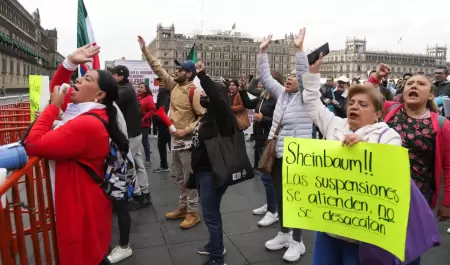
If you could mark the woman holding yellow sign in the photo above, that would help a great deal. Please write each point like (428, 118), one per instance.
(364, 112)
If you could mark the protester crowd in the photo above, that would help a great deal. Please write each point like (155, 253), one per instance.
(110, 112)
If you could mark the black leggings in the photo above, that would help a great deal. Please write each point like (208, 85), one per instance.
(124, 221)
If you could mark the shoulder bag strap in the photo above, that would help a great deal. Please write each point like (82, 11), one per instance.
(381, 134)
(92, 173)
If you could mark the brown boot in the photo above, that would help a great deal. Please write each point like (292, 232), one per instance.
(177, 214)
(191, 220)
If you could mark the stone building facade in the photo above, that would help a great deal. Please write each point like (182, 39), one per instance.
(224, 55)
(25, 47)
(356, 60)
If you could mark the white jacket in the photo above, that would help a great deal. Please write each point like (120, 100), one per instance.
(335, 128)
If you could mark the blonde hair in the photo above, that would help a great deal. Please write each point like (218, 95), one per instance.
(376, 98)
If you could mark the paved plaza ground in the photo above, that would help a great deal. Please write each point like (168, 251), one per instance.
(156, 241)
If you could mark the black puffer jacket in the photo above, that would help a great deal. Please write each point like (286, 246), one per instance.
(261, 128)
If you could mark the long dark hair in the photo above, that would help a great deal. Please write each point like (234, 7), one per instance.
(147, 89)
(108, 84)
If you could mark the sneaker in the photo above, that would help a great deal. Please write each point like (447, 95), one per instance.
(148, 164)
(282, 240)
(119, 254)
(161, 169)
(261, 210)
(213, 262)
(206, 251)
(295, 251)
(268, 219)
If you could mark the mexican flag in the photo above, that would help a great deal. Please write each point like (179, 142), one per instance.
(233, 29)
(85, 36)
(192, 55)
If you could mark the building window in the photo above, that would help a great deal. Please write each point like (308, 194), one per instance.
(4, 65)
(18, 68)
(11, 66)
(166, 63)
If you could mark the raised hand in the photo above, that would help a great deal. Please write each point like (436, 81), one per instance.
(383, 71)
(300, 39)
(84, 54)
(141, 43)
(315, 68)
(200, 66)
(265, 44)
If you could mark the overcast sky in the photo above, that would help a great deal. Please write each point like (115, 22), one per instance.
(116, 23)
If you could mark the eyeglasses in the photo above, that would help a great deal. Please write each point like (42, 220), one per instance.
(439, 73)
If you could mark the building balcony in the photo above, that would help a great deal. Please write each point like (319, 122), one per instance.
(19, 50)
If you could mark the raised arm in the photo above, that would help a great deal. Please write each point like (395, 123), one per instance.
(248, 103)
(218, 104)
(252, 87)
(320, 114)
(64, 73)
(272, 85)
(301, 60)
(156, 66)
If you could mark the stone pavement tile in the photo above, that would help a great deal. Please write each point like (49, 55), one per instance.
(173, 234)
(251, 245)
(142, 235)
(237, 203)
(243, 222)
(155, 255)
(304, 260)
(168, 197)
(143, 216)
(441, 254)
(184, 254)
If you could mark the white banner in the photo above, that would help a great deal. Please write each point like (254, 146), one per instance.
(140, 72)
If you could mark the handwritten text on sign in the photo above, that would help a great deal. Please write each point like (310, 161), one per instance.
(35, 83)
(361, 192)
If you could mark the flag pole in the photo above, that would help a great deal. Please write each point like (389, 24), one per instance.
(201, 14)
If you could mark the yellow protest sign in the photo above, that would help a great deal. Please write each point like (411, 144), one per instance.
(35, 82)
(39, 93)
(360, 192)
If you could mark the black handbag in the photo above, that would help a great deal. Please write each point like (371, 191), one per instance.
(228, 159)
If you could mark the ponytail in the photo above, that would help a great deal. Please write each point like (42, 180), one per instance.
(432, 106)
(114, 131)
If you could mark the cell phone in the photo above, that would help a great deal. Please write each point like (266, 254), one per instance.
(314, 55)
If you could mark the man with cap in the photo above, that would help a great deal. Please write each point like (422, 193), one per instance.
(129, 105)
(184, 111)
(336, 99)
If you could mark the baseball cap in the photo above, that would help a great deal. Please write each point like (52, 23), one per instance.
(188, 65)
(343, 79)
(121, 70)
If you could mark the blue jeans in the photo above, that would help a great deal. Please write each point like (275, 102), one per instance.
(146, 143)
(266, 179)
(332, 251)
(210, 199)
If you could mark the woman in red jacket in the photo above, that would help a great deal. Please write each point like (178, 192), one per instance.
(426, 135)
(83, 212)
(148, 109)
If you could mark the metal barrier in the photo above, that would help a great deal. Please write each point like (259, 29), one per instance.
(35, 208)
(14, 99)
(27, 221)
